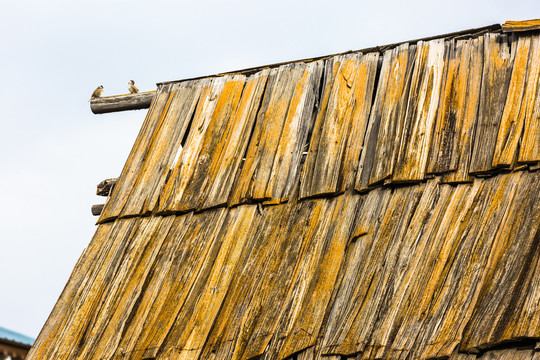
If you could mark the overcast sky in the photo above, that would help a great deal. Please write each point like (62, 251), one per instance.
(53, 54)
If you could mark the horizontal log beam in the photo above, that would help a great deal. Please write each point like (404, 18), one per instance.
(117, 103)
(105, 187)
(527, 25)
(97, 209)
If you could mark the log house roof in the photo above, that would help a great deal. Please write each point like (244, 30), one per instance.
(380, 204)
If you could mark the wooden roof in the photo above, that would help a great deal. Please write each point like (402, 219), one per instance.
(379, 204)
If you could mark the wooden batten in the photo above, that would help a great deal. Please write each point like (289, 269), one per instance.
(527, 25)
(117, 103)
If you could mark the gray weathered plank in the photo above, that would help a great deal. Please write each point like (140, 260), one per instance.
(185, 161)
(419, 120)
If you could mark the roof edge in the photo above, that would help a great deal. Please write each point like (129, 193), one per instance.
(250, 70)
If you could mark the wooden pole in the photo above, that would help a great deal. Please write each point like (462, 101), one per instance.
(116, 103)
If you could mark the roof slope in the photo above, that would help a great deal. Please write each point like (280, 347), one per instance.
(368, 205)
(12, 336)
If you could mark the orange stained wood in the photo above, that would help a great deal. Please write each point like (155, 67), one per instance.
(471, 64)
(519, 102)
(298, 123)
(272, 129)
(187, 339)
(530, 144)
(495, 81)
(527, 25)
(326, 253)
(155, 291)
(235, 141)
(332, 67)
(450, 111)
(356, 130)
(325, 168)
(212, 144)
(262, 149)
(391, 111)
(191, 264)
(162, 150)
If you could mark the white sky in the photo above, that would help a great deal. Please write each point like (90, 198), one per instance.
(53, 54)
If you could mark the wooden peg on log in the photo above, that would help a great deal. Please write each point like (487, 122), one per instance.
(105, 187)
(97, 209)
(116, 103)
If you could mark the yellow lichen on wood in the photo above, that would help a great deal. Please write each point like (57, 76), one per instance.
(519, 102)
(470, 65)
(527, 25)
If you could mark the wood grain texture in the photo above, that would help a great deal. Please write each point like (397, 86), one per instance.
(419, 120)
(410, 272)
(332, 159)
(520, 101)
(529, 148)
(313, 290)
(190, 264)
(283, 124)
(457, 111)
(251, 309)
(508, 284)
(466, 110)
(186, 159)
(160, 153)
(188, 335)
(495, 81)
(213, 143)
(296, 130)
(386, 119)
(226, 161)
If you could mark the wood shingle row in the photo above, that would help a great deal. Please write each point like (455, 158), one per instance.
(418, 271)
(457, 107)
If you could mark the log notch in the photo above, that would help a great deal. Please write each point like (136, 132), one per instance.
(121, 102)
(105, 187)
